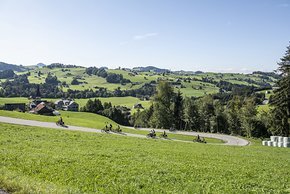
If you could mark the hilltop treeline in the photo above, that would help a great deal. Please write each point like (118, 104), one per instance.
(60, 65)
(110, 77)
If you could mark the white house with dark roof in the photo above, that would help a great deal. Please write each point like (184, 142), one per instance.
(67, 105)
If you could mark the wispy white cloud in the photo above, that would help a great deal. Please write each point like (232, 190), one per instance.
(143, 36)
(139, 37)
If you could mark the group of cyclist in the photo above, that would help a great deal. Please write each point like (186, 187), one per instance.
(109, 127)
(152, 133)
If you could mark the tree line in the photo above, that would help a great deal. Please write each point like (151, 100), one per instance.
(236, 115)
(118, 114)
(110, 77)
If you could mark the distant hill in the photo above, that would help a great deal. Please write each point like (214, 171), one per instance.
(6, 66)
(40, 65)
(150, 69)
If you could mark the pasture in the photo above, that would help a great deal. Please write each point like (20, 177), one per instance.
(40, 160)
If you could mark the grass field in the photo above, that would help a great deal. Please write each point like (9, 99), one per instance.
(92, 121)
(39, 160)
(264, 108)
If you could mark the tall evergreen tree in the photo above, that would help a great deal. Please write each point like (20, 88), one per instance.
(234, 121)
(220, 124)
(248, 117)
(206, 111)
(191, 115)
(178, 111)
(38, 92)
(281, 98)
(162, 115)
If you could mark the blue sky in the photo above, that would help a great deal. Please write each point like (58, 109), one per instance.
(207, 35)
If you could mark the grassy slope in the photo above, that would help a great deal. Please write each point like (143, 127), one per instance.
(38, 160)
(93, 121)
(139, 80)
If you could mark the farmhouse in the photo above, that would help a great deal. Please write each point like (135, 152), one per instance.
(67, 105)
(14, 106)
(36, 102)
(42, 109)
(72, 106)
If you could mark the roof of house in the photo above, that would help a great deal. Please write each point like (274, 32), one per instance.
(40, 106)
(58, 101)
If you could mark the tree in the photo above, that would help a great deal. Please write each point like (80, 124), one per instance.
(248, 117)
(233, 109)
(7, 74)
(191, 115)
(89, 107)
(107, 105)
(206, 111)
(178, 111)
(93, 106)
(51, 79)
(98, 107)
(75, 82)
(281, 98)
(38, 94)
(162, 114)
(220, 123)
(142, 118)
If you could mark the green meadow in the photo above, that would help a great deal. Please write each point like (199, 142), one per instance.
(40, 160)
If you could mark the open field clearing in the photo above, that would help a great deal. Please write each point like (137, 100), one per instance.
(39, 160)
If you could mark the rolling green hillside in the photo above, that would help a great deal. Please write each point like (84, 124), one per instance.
(40, 160)
(197, 86)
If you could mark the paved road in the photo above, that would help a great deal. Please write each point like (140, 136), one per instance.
(230, 140)
(3, 192)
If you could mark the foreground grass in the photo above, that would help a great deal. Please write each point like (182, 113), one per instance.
(91, 120)
(39, 160)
